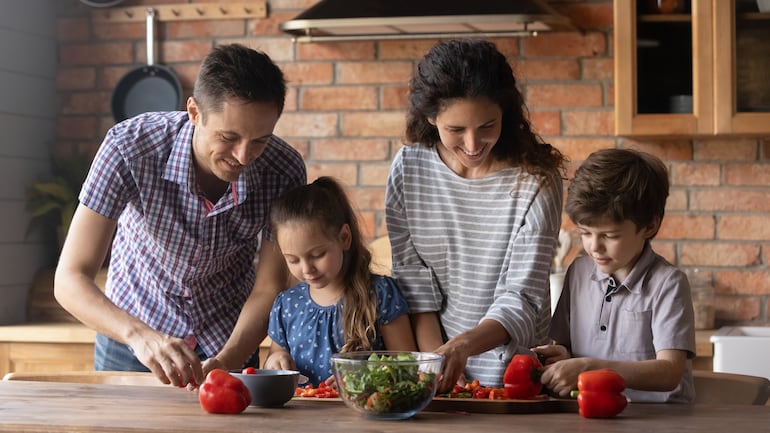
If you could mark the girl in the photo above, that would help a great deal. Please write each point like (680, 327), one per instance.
(339, 305)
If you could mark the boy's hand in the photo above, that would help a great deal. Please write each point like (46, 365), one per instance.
(551, 353)
(561, 377)
(280, 361)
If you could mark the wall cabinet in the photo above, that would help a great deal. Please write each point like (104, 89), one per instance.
(703, 71)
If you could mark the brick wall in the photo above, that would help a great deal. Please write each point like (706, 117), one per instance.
(345, 114)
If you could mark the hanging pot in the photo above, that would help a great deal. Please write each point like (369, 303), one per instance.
(147, 88)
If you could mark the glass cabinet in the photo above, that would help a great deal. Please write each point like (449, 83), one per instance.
(700, 69)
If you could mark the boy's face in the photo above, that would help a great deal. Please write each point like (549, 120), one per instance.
(615, 247)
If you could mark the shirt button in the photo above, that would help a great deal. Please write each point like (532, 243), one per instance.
(198, 331)
(603, 327)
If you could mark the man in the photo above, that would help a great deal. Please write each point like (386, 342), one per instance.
(189, 194)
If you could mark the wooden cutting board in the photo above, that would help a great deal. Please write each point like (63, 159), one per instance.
(477, 405)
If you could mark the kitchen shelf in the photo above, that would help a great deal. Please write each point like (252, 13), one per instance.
(184, 12)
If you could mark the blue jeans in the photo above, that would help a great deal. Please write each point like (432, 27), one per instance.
(109, 355)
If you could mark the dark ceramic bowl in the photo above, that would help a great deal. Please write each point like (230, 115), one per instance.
(270, 388)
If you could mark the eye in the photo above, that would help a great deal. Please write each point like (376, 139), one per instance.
(228, 138)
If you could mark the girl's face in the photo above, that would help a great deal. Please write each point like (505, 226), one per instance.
(615, 247)
(469, 128)
(312, 256)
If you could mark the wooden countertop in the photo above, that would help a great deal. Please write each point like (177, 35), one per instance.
(62, 407)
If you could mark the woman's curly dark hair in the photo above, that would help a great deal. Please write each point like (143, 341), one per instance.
(470, 68)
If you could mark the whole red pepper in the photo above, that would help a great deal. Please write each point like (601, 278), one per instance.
(223, 393)
(600, 393)
(522, 377)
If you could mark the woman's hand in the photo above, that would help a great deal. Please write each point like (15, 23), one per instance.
(455, 359)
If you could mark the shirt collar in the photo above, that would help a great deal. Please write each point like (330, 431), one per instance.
(634, 281)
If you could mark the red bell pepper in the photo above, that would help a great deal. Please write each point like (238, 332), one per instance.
(223, 393)
(600, 393)
(522, 377)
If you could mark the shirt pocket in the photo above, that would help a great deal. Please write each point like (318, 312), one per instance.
(634, 334)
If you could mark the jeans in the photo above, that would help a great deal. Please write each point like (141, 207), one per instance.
(109, 355)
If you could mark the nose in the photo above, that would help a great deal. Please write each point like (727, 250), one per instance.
(307, 268)
(472, 141)
(241, 153)
(594, 244)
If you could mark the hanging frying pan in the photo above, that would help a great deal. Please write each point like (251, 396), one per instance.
(147, 88)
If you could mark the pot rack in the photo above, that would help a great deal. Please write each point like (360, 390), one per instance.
(183, 12)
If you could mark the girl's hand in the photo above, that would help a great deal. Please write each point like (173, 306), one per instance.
(280, 361)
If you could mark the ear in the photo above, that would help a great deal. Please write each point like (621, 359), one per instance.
(652, 228)
(193, 111)
(432, 120)
(345, 237)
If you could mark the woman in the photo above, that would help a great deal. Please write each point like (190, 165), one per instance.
(473, 209)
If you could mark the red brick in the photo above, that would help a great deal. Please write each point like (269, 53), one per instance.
(766, 149)
(744, 227)
(718, 254)
(186, 73)
(590, 16)
(76, 127)
(339, 98)
(109, 77)
(302, 146)
(766, 253)
(72, 29)
(369, 198)
(268, 26)
(747, 174)
(280, 49)
(600, 123)
(725, 149)
(366, 222)
(733, 309)
(375, 174)
(350, 149)
(86, 103)
(578, 149)
(535, 70)
(336, 51)
(178, 51)
(406, 49)
(685, 226)
(677, 200)
(729, 199)
(567, 44)
(374, 124)
(667, 150)
(108, 31)
(743, 282)
(291, 103)
(563, 95)
(202, 29)
(509, 47)
(115, 53)
(665, 249)
(373, 72)
(75, 78)
(598, 69)
(308, 73)
(694, 174)
(295, 124)
(393, 97)
(546, 122)
(346, 173)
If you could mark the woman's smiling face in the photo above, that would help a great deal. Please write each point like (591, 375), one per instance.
(469, 128)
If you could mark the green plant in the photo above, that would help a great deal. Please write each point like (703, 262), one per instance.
(52, 202)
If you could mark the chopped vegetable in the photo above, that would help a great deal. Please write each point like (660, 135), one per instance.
(386, 385)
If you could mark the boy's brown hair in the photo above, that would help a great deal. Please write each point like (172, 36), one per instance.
(621, 184)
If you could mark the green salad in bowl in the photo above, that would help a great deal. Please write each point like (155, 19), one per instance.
(387, 385)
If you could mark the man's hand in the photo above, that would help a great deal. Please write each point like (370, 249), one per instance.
(170, 359)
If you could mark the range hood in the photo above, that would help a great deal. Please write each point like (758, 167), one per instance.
(341, 20)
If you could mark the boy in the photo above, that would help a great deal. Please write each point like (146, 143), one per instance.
(623, 306)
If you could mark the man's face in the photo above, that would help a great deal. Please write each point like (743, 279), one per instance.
(232, 138)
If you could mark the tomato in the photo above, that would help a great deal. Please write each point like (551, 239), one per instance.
(249, 370)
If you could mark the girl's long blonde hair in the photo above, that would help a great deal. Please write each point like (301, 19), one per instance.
(324, 202)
